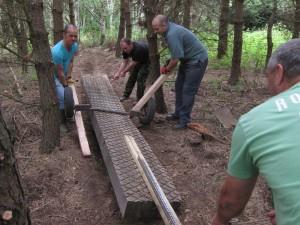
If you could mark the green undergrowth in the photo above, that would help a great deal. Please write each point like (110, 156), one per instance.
(253, 53)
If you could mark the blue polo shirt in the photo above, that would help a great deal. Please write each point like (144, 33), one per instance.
(183, 44)
(61, 56)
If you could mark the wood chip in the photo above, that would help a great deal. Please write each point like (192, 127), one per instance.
(7, 215)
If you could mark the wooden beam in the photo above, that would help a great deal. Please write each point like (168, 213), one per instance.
(84, 144)
(154, 87)
(163, 205)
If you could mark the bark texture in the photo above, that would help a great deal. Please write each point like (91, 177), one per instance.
(128, 19)
(269, 32)
(18, 29)
(13, 207)
(223, 29)
(187, 13)
(58, 21)
(121, 32)
(150, 12)
(44, 69)
(297, 20)
(237, 42)
(71, 12)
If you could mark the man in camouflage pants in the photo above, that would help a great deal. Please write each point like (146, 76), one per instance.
(139, 67)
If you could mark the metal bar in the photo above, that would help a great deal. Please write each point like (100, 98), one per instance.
(87, 107)
(165, 209)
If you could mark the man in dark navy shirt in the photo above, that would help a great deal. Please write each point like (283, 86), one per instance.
(139, 67)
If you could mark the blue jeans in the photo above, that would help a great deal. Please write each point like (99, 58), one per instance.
(60, 93)
(187, 84)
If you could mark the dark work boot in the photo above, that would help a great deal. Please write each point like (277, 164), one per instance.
(123, 98)
(172, 116)
(63, 122)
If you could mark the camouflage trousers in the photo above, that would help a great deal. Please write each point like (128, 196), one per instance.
(138, 75)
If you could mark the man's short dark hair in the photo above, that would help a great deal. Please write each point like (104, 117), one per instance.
(68, 27)
(126, 41)
(288, 55)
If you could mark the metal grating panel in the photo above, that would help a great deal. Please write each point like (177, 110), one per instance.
(131, 192)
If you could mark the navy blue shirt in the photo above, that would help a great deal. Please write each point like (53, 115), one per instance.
(183, 44)
(139, 53)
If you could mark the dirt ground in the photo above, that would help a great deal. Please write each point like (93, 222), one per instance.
(66, 189)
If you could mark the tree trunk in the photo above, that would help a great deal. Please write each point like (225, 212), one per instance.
(102, 29)
(71, 12)
(297, 20)
(237, 42)
(58, 21)
(5, 27)
(187, 13)
(121, 32)
(269, 32)
(223, 28)
(175, 9)
(153, 53)
(13, 207)
(128, 19)
(44, 69)
(18, 29)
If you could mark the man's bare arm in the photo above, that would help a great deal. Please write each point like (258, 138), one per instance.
(234, 196)
(121, 68)
(70, 69)
(61, 76)
(172, 64)
(129, 67)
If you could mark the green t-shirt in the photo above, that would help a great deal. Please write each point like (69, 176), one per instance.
(266, 141)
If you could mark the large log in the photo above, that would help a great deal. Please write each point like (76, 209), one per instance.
(131, 192)
(13, 208)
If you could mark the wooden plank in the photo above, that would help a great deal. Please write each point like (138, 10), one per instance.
(163, 205)
(84, 144)
(154, 87)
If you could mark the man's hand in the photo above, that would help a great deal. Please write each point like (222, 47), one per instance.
(116, 77)
(122, 74)
(272, 217)
(70, 80)
(164, 70)
(216, 221)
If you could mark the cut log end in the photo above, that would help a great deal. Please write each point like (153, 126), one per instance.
(7, 215)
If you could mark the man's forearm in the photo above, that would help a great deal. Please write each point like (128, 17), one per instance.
(122, 67)
(234, 196)
(226, 211)
(172, 64)
(70, 70)
(62, 79)
(129, 66)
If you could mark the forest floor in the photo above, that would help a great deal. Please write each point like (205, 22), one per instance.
(66, 189)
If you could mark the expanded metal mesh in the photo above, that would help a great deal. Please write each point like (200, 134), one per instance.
(111, 129)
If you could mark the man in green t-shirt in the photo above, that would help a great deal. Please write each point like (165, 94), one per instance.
(266, 141)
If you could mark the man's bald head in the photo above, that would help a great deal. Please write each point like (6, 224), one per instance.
(70, 34)
(160, 24)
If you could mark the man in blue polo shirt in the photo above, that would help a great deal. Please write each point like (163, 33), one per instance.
(62, 55)
(186, 48)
